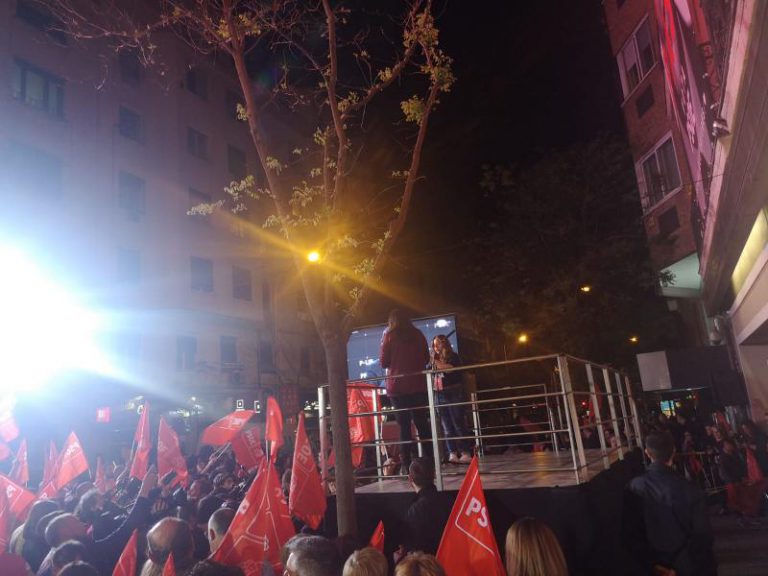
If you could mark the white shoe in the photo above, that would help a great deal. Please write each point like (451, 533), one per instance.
(453, 458)
(465, 459)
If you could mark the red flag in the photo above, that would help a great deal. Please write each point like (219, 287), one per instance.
(9, 431)
(100, 478)
(5, 451)
(140, 463)
(169, 456)
(306, 499)
(19, 499)
(170, 566)
(261, 526)
(126, 565)
(468, 546)
(72, 462)
(49, 467)
(754, 473)
(361, 429)
(248, 448)
(377, 540)
(274, 432)
(5, 523)
(20, 470)
(225, 429)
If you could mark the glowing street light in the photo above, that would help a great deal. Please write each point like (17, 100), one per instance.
(523, 338)
(313, 256)
(586, 288)
(634, 339)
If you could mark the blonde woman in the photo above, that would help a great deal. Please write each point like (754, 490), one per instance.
(532, 549)
(366, 562)
(419, 564)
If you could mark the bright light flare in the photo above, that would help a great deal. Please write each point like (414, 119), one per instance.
(313, 256)
(634, 339)
(44, 330)
(586, 288)
(523, 338)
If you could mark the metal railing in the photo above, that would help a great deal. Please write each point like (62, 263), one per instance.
(574, 405)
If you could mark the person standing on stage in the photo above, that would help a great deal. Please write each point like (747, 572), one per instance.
(450, 390)
(404, 354)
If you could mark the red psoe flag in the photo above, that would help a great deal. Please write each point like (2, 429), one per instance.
(248, 448)
(49, 466)
(20, 470)
(274, 432)
(361, 429)
(169, 456)
(72, 462)
(227, 428)
(140, 462)
(126, 565)
(260, 527)
(19, 499)
(377, 540)
(5, 522)
(468, 546)
(306, 499)
(170, 566)
(9, 431)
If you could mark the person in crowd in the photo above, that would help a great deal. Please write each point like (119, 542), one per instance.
(404, 353)
(744, 495)
(79, 568)
(24, 536)
(532, 549)
(450, 390)
(755, 440)
(666, 522)
(425, 519)
(211, 568)
(218, 524)
(205, 509)
(66, 553)
(313, 556)
(366, 562)
(198, 490)
(169, 536)
(419, 564)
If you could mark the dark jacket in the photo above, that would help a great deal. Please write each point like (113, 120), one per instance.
(668, 522)
(404, 351)
(425, 521)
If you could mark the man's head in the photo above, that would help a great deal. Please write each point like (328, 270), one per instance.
(218, 524)
(207, 506)
(313, 556)
(421, 473)
(69, 551)
(64, 527)
(170, 535)
(199, 488)
(660, 448)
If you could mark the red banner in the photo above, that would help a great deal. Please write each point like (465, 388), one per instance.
(248, 447)
(72, 462)
(20, 470)
(126, 565)
(260, 528)
(468, 546)
(307, 499)
(361, 429)
(19, 499)
(377, 540)
(274, 431)
(169, 456)
(143, 443)
(226, 429)
(49, 467)
(170, 566)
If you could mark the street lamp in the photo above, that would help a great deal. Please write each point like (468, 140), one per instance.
(634, 339)
(313, 256)
(523, 338)
(586, 288)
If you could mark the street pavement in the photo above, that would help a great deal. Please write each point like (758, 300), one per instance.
(740, 550)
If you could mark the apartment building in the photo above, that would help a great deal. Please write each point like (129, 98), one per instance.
(100, 160)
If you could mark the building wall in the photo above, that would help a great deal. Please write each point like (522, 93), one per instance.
(78, 230)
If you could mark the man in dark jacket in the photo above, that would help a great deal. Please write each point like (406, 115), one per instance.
(666, 517)
(426, 518)
(404, 353)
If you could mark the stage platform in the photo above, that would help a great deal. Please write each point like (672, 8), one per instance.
(509, 471)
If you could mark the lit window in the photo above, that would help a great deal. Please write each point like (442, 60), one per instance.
(636, 58)
(131, 194)
(38, 89)
(241, 284)
(197, 143)
(660, 174)
(186, 351)
(128, 265)
(201, 274)
(196, 83)
(129, 124)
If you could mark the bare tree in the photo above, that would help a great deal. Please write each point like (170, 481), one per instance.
(326, 181)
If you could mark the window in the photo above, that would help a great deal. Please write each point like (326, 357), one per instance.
(266, 357)
(128, 265)
(236, 162)
(196, 83)
(266, 297)
(228, 350)
(233, 99)
(130, 67)
(31, 172)
(202, 274)
(636, 58)
(38, 89)
(197, 143)
(186, 351)
(660, 175)
(668, 222)
(38, 16)
(241, 284)
(129, 124)
(195, 199)
(131, 194)
(645, 101)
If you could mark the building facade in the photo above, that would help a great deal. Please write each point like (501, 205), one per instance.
(100, 160)
(713, 60)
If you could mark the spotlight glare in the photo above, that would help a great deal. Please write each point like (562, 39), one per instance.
(313, 256)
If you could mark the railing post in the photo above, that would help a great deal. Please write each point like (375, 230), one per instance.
(323, 437)
(433, 424)
(612, 410)
(623, 404)
(551, 417)
(477, 427)
(377, 433)
(635, 416)
(572, 417)
(598, 417)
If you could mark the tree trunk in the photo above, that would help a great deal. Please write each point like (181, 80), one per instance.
(335, 358)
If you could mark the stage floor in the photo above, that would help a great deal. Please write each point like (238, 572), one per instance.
(509, 471)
